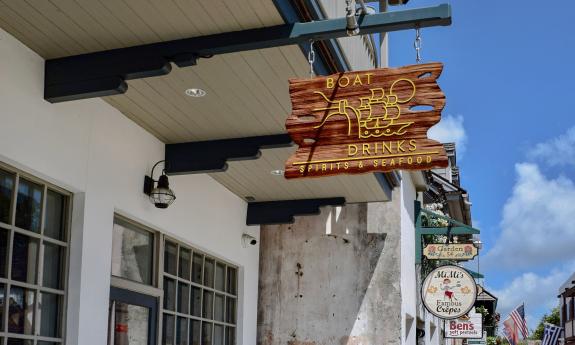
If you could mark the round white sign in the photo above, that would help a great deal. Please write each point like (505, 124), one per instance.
(449, 292)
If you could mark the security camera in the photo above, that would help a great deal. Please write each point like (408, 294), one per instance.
(248, 239)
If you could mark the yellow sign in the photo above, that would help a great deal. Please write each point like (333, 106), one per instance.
(436, 251)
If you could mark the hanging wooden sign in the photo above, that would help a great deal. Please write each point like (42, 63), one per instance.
(368, 121)
(449, 292)
(452, 251)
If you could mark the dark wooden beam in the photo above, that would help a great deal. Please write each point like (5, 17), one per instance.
(105, 73)
(212, 155)
(284, 212)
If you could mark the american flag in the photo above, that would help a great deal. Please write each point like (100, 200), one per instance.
(551, 334)
(518, 316)
(510, 331)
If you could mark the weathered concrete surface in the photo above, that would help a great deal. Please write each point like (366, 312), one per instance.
(332, 279)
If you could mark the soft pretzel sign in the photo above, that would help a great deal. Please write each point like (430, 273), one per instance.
(367, 121)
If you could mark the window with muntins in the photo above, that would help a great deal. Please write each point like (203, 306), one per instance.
(34, 232)
(200, 298)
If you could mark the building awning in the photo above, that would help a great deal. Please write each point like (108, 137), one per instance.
(456, 198)
(148, 57)
(488, 297)
(474, 274)
(454, 228)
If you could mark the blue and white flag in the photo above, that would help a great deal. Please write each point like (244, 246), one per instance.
(551, 334)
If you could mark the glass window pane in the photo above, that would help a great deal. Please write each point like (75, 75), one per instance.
(53, 264)
(50, 315)
(206, 333)
(208, 304)
(197, 268)
(24, 256)
(196, 302)
(170, 257)
(220, 276)
(2, 303)
(183, 298)
(29, 205)
(6, 193)
(131, 324)
(232, 281)
(21, 311)
(168, 330)
(230, 336)
(209, 273)
(218, 335)
(132, 252)
(195, 332)
(55, 215)
(219, 308)
(230, 310)
(182, 331)
(169, 294)
(14, 341)
(4, 237)
(184, 264)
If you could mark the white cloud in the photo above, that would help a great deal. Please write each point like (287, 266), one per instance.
(450, 130)
(538, 224)
(558, 151)
(537, 233)
(538, 292)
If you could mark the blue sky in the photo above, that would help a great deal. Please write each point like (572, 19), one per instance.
(508, 78)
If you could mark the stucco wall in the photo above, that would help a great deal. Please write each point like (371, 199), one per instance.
(332, 278)
(91, 149)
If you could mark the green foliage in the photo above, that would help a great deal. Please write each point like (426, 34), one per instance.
(428, 220)
(552, 318)
(491, 340)
(497, 341)
(483, 311)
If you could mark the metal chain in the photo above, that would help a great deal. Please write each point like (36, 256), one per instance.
(417, 45)
(311, 59)
(351, 22)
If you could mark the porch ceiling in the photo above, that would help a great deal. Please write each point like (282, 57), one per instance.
(247, 93)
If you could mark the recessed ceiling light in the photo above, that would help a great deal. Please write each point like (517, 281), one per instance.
(196, 92)
(277, 172)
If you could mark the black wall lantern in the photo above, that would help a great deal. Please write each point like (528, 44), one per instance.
(160, 194)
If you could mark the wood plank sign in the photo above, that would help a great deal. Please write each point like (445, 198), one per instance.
(367, 121)
(449, 292)
(453, 251)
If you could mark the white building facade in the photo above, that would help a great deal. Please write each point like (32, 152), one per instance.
(86, 258)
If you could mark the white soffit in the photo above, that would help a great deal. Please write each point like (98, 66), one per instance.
(247, 93)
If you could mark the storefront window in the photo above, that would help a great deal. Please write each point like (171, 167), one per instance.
(132, 252)
(29, 205)
(33, 256)
(200, 298)
(6, 192)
